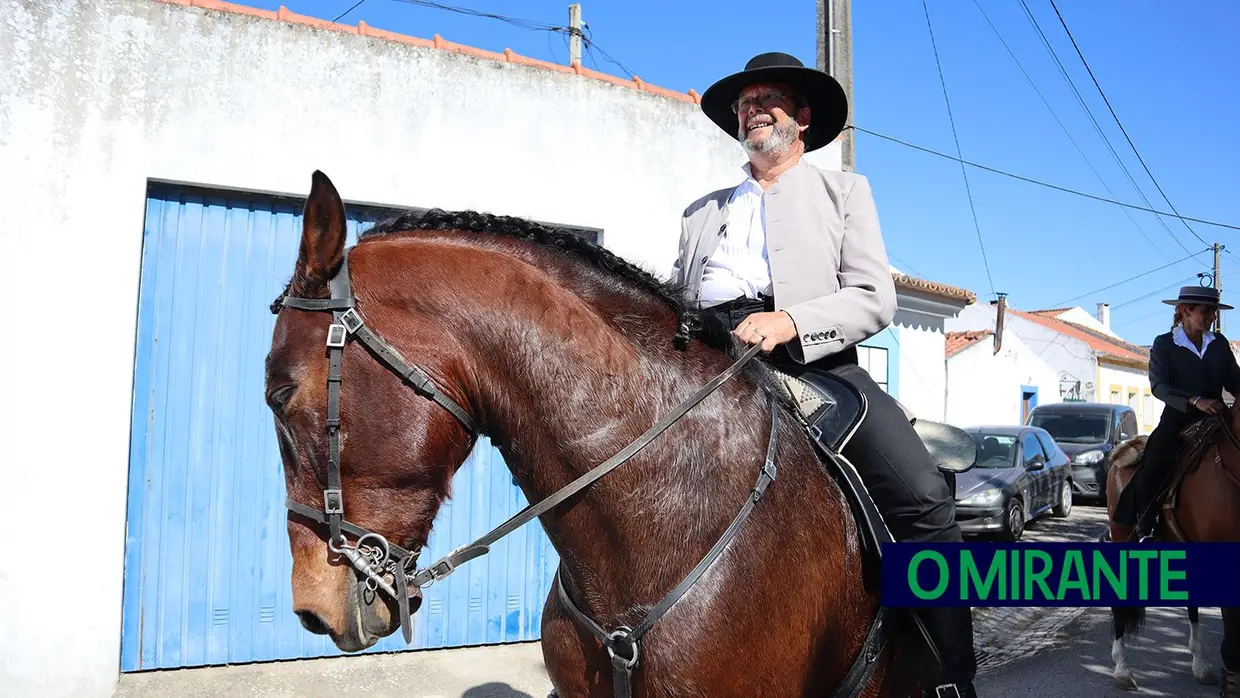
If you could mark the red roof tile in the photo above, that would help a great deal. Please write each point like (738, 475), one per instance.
(959, 341)
(934, 288)
(363, 29)
(1106, 345)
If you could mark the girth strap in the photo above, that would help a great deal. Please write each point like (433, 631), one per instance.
(624, 643)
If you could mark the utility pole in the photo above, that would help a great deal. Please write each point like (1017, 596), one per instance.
(835, 59)
(574, 33)
(1218, 286)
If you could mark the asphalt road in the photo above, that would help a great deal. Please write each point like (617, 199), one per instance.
(1159, 660)
(1075, 660)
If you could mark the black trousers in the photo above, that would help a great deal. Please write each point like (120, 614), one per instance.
(1161, 449)
(899, 473)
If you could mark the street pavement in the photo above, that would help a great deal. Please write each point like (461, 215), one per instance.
(1081, 664)
(1051, 652)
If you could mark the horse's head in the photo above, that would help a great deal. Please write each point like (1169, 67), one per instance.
(367, 461)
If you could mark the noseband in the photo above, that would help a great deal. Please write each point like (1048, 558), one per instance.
(390, 568)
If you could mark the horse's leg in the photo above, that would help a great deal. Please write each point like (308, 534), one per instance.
(1202, 672)
(1123, 620)
(1230, 651)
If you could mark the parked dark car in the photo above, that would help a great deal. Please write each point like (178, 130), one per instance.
(1020, 475)
(1088, 432)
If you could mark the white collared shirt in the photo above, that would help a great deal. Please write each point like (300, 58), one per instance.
(1181, 338)
(740, 266)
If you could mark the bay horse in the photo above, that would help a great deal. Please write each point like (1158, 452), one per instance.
(680, 573)
(1198, 504)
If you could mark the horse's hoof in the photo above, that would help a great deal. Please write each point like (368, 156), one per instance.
(1205, 676)
(1125, 682)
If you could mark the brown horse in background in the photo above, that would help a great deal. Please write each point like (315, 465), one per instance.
(561, 353)
(1199, 503)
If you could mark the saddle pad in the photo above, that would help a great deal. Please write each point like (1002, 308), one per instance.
(806, 398)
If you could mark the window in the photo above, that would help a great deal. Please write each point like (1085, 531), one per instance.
(1128, 425)
(1030, 448)
(994, 451)
(1114, 397)
(1147, 414)
(874, 361)
(1047, 443)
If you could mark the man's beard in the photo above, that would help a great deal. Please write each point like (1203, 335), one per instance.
(782, 137)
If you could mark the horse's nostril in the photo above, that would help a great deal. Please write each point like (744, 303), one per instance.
(312, 622)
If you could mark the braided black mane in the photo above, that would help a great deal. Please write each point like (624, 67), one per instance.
(555, 238)
(560, 240)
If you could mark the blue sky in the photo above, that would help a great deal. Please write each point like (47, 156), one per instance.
(1169, 70)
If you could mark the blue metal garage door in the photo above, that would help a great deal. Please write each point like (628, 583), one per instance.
(207, 563)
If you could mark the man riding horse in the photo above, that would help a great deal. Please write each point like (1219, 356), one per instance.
(1189, 368)
(793, 258)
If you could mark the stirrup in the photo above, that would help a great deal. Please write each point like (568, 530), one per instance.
(947, 690)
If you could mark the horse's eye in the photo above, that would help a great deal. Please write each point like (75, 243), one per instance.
(279, 397)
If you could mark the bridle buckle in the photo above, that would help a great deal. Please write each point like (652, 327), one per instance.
(336, 336)
(333, 502)
(351, 320)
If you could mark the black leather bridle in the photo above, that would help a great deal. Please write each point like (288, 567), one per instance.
(389, 567)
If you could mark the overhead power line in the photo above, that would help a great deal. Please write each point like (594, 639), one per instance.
(522, 23)
(1030, 180)
(1131, 278)
(1117, 121)
(1069, 134)
(1063, 71)
(354, 7)
(964, 173)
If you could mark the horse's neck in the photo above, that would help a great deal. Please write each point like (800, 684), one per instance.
(562, 399)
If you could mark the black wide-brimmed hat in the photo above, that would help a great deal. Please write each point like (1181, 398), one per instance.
(826, 99)
(1199, 295)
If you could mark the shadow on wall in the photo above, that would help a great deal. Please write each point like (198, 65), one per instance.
(495, 690)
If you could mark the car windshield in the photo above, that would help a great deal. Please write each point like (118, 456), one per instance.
(1074, 428)
(995, 451)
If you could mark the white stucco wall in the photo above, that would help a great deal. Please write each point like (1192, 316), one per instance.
(1083, 317)
(923, 375)
(984, 388)
(1072, 359)
(98, 96)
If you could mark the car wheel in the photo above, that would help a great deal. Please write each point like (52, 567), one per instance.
(1014, 521)
(1065, 500)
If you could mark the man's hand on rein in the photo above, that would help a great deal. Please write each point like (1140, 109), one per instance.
(769, 329)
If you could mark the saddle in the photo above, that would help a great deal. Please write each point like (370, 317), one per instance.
(831, 410)
(1196, 439)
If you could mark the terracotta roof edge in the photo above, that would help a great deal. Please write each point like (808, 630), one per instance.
(438, 42)
(933, 287)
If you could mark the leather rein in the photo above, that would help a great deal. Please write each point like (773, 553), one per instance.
(391, 568)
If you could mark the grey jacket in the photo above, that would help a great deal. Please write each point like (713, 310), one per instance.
(828, 262)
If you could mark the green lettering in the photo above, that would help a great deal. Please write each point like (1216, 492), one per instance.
(1014, 593)
(1166, 575)
(1144, 584)
(916, 587)
(1038, 577)
(969, 574)
(1120, 584)
(1073, 563)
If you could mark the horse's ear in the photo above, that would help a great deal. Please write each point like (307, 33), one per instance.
(323, 232)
